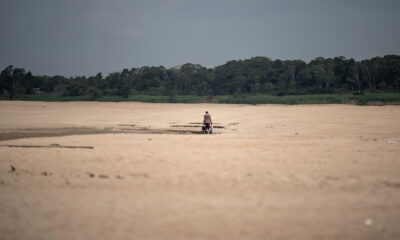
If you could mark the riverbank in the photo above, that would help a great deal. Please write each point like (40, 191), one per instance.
(364, 99)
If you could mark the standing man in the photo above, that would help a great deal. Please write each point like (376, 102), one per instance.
(207, 121)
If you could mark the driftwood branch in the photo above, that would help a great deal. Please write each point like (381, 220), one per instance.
(48, 146)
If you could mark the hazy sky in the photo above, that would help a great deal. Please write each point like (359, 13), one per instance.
(84, 37)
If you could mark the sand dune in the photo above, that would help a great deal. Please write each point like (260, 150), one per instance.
(268, 172)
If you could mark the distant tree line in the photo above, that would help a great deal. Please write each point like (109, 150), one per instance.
(257, 75)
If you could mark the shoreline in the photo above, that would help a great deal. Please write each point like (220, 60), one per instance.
(373, 99)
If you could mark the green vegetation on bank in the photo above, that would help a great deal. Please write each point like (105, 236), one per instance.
(365, 99)
(131, 98)
(256, 80)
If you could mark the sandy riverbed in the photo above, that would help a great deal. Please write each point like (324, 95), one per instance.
(269, 172)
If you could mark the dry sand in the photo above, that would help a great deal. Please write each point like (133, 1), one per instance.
(269, 172)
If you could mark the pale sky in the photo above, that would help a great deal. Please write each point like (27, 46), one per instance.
(84, 37)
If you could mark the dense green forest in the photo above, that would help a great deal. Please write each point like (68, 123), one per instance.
(254, 76)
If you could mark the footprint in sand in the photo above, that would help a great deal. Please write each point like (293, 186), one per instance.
(47, 173)
(92, 175)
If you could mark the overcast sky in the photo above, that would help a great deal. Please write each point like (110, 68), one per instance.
(84, 37)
